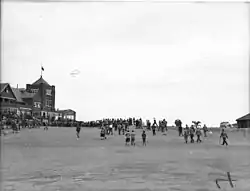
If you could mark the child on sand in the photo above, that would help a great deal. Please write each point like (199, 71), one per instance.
(127, 138)
(46, 126)
(102, 134)
(224, 137)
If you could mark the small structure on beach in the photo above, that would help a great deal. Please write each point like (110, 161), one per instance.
(244, 122)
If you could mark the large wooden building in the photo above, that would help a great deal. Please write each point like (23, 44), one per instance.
(11, 101)
(37, 99)
(244, 122)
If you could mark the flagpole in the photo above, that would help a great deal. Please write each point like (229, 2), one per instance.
(41, 70)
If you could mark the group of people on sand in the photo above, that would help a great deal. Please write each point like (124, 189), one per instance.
(191, 132)
(16, 124)
(129, 136)
(123, 128)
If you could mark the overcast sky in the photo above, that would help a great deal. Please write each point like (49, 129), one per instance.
(187, 61)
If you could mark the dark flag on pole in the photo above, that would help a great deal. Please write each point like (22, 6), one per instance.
(42, 69)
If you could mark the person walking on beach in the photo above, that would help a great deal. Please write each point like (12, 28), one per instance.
(102, 134)
(198, 134)
(78, 129)
(144, 137)
(191, 133)
(46, 126)
(164, 127)
(224, 137)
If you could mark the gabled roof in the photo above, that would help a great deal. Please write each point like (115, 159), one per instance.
(246, 117)
(17, 94)
(3, 86)
(20, 93)
(40, 81)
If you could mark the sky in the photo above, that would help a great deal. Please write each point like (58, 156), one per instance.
(165, 60)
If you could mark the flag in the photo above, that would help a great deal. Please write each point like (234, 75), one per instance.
(42, 69)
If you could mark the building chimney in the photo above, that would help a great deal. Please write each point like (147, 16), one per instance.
(17, 86)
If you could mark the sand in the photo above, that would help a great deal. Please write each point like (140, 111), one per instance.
(36, 160)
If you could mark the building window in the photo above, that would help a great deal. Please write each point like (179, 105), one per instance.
(48, 92)
(34, 90)
(37, 104)
(48, 103)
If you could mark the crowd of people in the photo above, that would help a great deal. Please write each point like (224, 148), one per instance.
(109, 126)
(125, 127)
(12, 122)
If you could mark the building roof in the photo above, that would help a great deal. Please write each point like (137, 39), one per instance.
(40, 81)
(20, 93)
(66, 111)
(2, 86)
(17, 94)
(244, 118)
(28, 95)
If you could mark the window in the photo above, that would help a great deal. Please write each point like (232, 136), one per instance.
(34, 90)
(48, 103)
(48, 92)
(37, 104)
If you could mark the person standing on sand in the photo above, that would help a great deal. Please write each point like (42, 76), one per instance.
(111, 129)
(133, 138)
(154, 127)
(127, 138)
(148, 125)
(205, 130)
(119, 128)
(186, 134)
(123, 128)
(144, 137)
